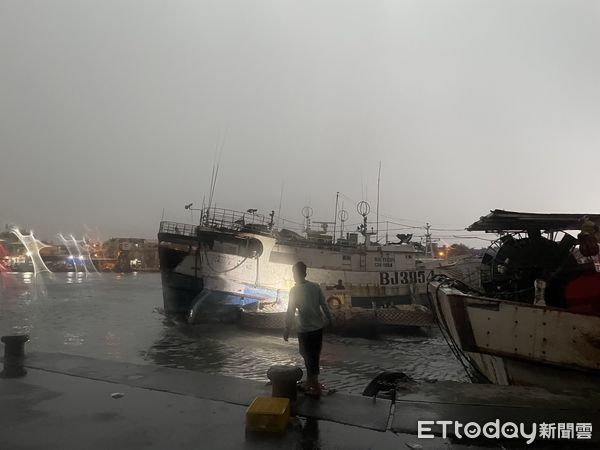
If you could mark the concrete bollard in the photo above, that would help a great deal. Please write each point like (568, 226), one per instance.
(14, 356)
(283, 380)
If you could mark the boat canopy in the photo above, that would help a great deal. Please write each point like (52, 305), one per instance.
(500, 220)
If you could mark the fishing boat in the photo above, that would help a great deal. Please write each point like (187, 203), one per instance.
(534, 319)
(235, 264)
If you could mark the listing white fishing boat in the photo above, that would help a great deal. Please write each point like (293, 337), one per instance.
(234, 263)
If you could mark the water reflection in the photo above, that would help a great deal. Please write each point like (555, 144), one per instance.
(349, 364)
(77, 277)
(309, 437)
(190, 347)
(115, 317)
(74, 339)
(31, 286)
(24, 285)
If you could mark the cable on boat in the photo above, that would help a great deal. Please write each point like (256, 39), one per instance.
(222, 271)
(473, 373)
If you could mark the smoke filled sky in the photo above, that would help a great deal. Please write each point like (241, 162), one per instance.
(111, 111)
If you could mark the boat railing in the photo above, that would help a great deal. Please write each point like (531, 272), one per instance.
(229, 219)
(220, 219)
(181, 229)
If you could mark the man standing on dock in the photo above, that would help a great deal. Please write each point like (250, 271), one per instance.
(308, 299)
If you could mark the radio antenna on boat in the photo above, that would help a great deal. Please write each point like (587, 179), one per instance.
(362, 187)
(387, 228)
(201, 220)
(428, 241)
(279, 210)
(363, 208)
(215, 170)
(377, 213)
(307, 212)
(211, 186)
(337, 196)
(343, 217)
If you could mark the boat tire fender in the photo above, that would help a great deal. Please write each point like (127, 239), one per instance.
(334, 303)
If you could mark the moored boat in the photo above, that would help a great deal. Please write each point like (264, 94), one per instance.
(234, 262)
(535, 318)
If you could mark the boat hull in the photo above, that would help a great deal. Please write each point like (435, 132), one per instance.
(521, 344)
(246, 269)
(179, 290)
(511, 371)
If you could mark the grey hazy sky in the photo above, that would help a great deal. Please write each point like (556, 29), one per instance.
(110, 111)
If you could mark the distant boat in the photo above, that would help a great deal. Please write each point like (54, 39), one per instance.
(536, 317)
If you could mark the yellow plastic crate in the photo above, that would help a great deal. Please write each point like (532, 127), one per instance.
(270, 414)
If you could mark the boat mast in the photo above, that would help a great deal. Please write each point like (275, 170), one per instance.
(215, 174)
(428, 243)
(337, 195)
(377, 223)
(279, 210)
(307, 212)
(363, 209)
(387, 227)
(343, 217)
(201, 222)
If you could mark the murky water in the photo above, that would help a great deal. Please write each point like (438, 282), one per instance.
(118, 317)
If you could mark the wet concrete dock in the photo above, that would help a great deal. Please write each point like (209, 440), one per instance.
(68, 401)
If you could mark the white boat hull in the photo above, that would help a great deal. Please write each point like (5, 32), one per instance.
(523, 344)
(229, 272)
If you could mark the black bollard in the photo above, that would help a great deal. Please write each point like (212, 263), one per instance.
(283, 381)
(14, 356)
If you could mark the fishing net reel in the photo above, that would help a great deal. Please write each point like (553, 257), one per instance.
(512, 264)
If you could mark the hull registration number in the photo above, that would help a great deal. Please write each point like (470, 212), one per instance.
(403, 277)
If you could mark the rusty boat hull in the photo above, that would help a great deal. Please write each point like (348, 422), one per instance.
(511, 343)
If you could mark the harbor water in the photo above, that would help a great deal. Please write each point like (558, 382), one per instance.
(118, 317)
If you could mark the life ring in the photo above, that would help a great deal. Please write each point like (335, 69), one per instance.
(334, 302)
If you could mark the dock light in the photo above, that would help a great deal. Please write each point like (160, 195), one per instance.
(441, 253)
(29, 253)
